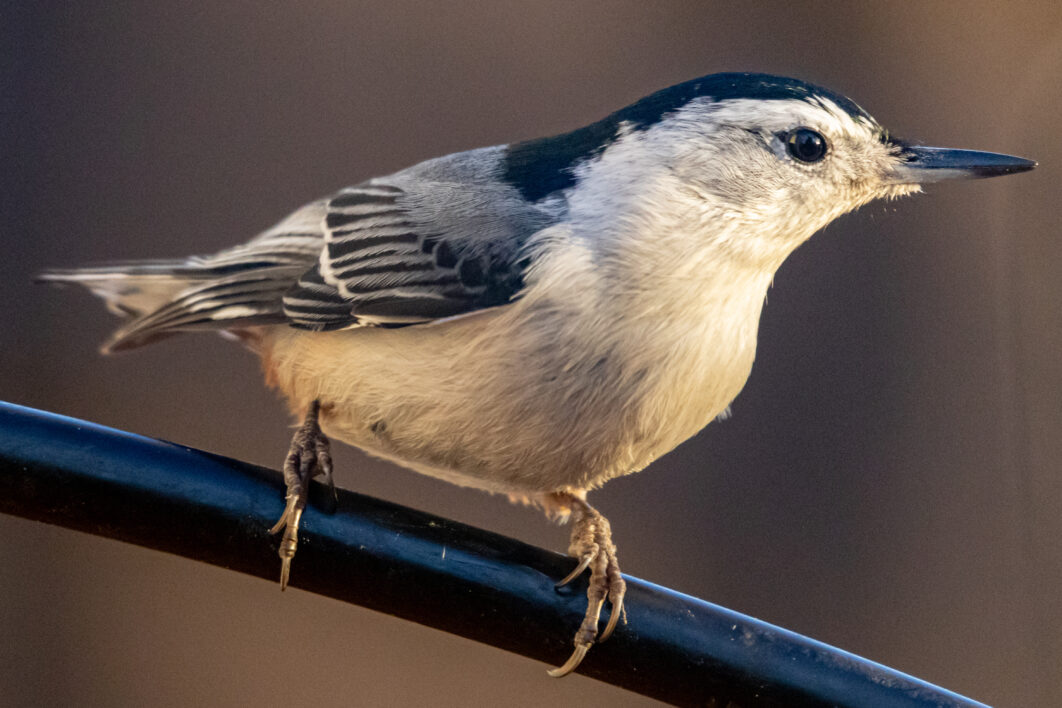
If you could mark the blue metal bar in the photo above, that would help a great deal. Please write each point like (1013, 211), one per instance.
(437, 572)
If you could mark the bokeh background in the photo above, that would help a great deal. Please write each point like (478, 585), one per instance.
(890, 482)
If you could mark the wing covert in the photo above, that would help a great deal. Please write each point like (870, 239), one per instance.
(380, 265)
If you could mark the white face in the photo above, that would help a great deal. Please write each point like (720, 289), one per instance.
(789, 165)
(738, 182)
(719, 193)
(721, 182)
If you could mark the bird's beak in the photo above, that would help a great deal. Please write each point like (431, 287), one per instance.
(921, 165)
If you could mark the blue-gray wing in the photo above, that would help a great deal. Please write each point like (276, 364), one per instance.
(410, 248)
(442, 238)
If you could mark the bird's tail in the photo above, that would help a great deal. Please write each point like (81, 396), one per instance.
(161, 298)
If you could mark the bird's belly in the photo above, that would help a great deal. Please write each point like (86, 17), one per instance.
(521, 413)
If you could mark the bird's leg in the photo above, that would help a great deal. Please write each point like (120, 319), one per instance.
(591, 543)
(308, 457)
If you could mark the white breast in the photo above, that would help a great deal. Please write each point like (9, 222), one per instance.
(563, 389)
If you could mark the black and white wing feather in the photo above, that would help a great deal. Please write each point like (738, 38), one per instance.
(383, 263)
(438, 239)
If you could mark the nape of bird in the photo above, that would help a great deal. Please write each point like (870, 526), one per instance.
(538, 318)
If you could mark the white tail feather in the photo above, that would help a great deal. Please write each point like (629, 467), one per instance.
(128, 291)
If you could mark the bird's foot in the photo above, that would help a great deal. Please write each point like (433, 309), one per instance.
(592, 544)
(308, 457)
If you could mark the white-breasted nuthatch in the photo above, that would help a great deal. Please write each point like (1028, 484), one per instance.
(538, 318)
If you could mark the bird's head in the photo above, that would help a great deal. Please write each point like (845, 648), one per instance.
(756, 163)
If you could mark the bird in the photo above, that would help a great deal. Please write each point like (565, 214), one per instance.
(537, 318)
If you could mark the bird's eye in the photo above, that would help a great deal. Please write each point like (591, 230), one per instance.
(806, 145)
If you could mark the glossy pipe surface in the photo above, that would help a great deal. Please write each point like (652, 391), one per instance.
(420, 567)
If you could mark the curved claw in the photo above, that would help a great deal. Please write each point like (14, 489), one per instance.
(583, 565)
(283, 520)
(613, 619)
(572, 663)
(285, 572)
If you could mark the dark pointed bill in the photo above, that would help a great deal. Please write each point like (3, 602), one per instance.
(921, 165)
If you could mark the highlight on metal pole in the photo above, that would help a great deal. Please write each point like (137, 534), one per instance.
(483, 586)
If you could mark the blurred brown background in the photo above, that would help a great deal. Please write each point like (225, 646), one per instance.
(890, 482)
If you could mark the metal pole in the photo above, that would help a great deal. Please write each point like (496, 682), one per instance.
(423, 568)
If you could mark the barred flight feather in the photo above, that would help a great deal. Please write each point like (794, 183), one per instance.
(369, 255)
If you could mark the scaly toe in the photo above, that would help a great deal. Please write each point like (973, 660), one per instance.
(617, 589)
(289, 543)
(307, 457)
(591, 543)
